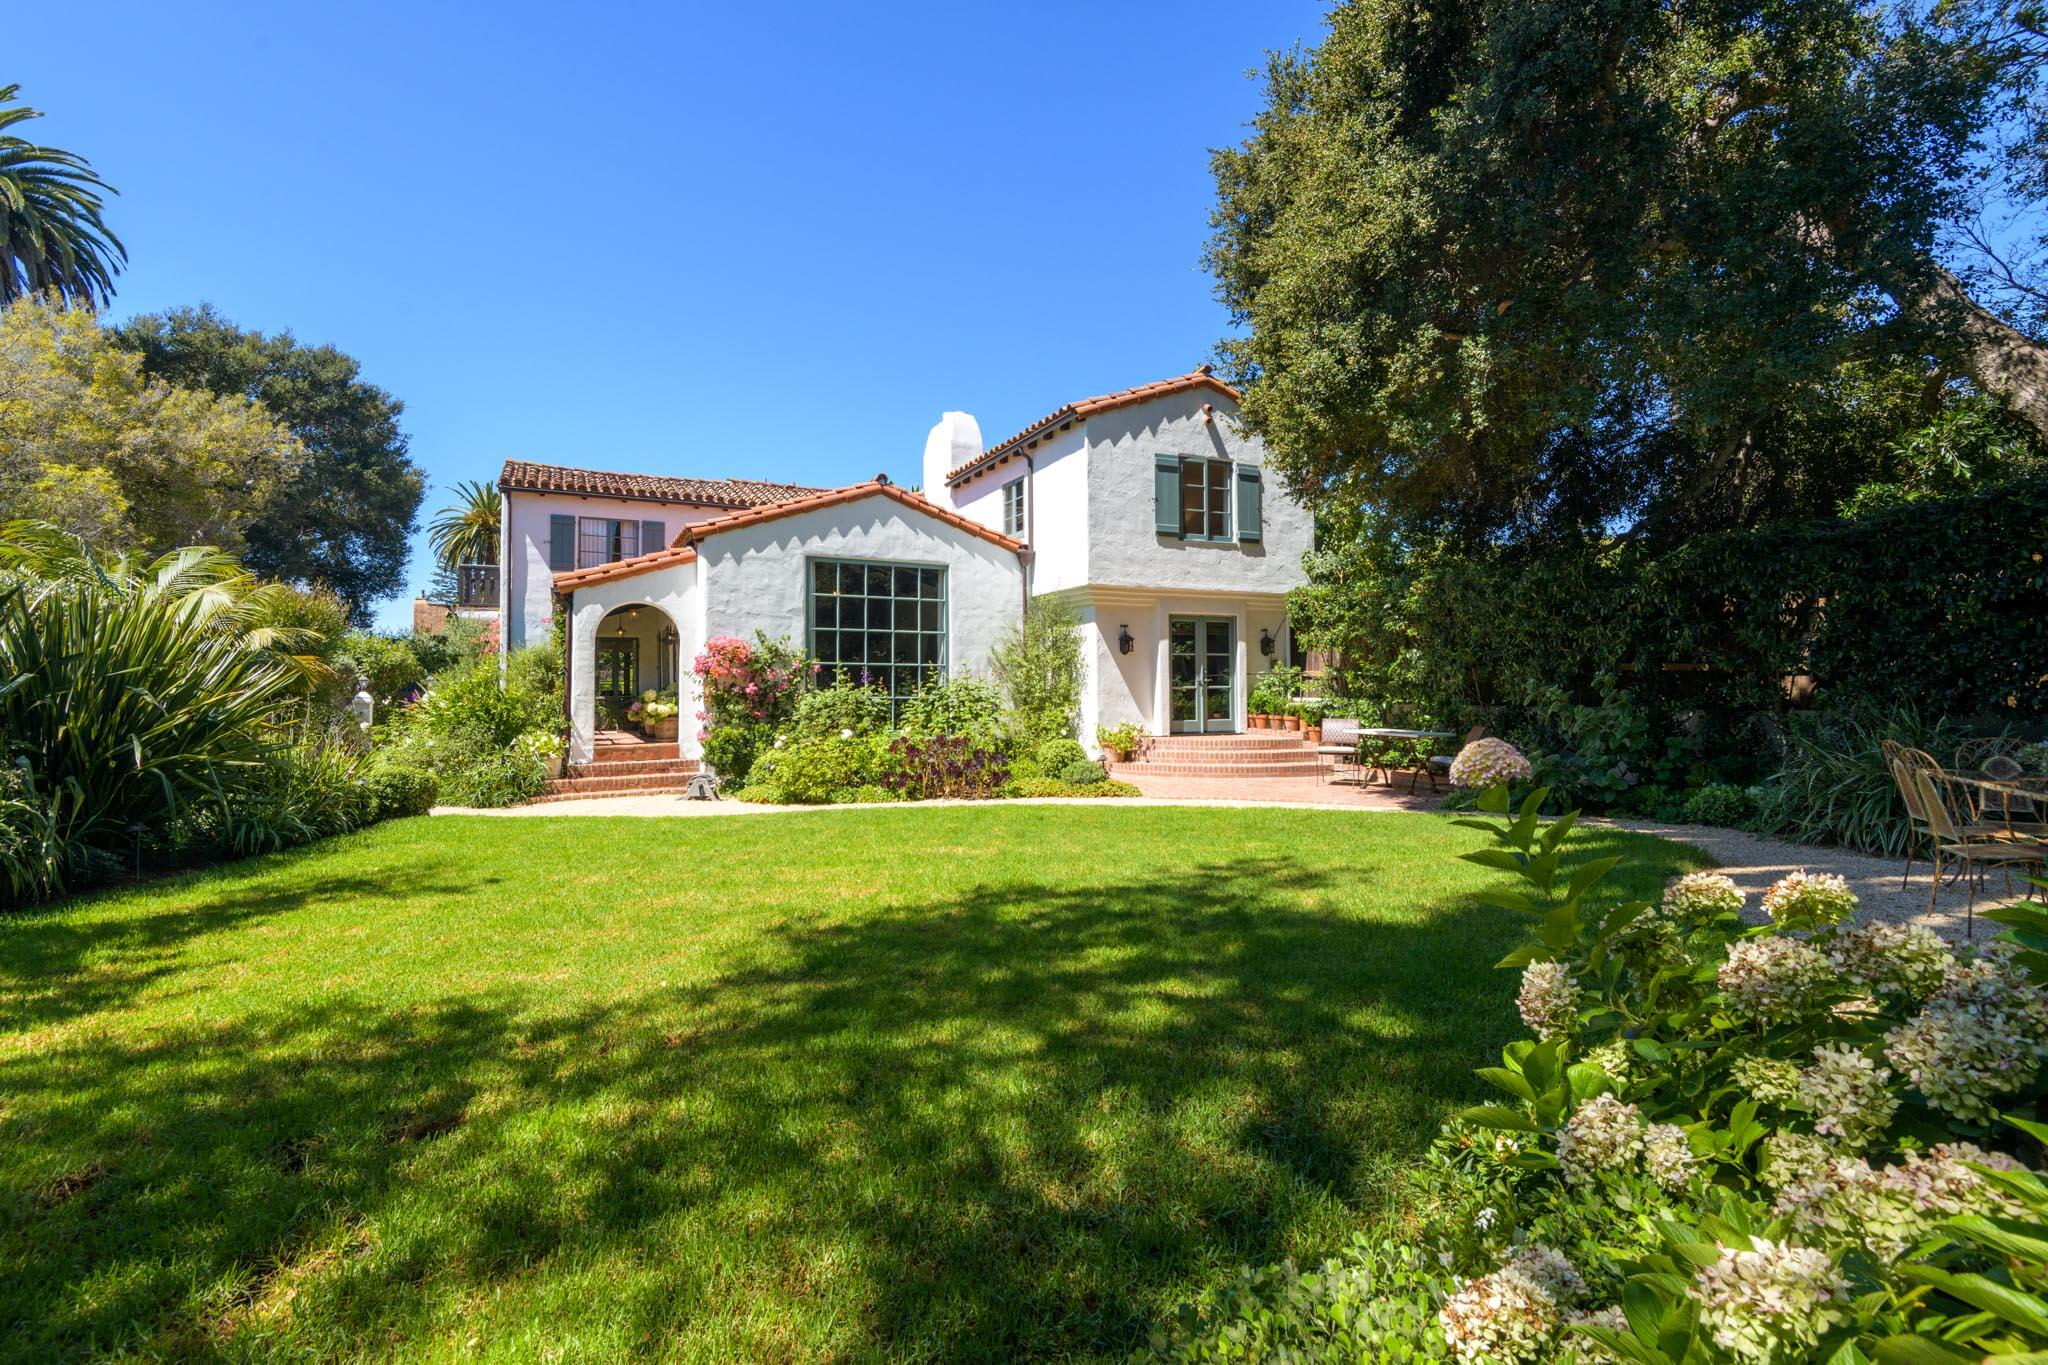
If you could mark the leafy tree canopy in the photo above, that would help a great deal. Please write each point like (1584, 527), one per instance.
(1509, 265)
(350, 508)
(91, 444)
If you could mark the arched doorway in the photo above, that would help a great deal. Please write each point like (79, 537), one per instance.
(637, 650)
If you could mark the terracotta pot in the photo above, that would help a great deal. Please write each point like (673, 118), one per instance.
(664, 731)
(1313, 734)
(1260, 722)
(1290, 722)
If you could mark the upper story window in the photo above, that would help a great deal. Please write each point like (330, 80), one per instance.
(583, 542)
(1197, 498)
(1013, 508)
(878, 622)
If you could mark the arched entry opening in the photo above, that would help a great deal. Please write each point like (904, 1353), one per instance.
(637, 651)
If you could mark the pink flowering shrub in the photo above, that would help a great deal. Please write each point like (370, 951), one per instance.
(749, 691)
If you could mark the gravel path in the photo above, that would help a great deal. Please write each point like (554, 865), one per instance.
(1755, 863)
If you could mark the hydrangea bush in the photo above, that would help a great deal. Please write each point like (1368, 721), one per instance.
(1489, 763)
(1799, 1140)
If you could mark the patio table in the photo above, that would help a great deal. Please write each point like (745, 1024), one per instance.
(1383, 738)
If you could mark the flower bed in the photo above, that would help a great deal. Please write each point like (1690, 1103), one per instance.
(1795, 1141)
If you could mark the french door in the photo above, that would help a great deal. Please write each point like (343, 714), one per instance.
(1202, 674)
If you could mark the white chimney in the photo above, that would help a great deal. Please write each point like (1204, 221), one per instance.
(952, 443)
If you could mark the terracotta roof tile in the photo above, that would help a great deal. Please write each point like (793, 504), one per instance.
(521, 476)
(683, 549)
(571, 579)
(1202, 377)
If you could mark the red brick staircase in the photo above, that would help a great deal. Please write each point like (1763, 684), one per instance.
(622, 765)
(1255, 753)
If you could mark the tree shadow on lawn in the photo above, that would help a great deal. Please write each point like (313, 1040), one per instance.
(1020, 1123)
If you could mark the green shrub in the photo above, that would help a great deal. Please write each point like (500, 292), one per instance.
(487, 745)
(968, 708)
(760, 794)
(308, 791)
(397, 791)
(31, 860)
(1025, 769)
(1720, 803)
(871, 794)
(537, 672)
(1376, 1302)
(846, 705)
(813, 771)
(751, 692)
(1038, 665)
(1086, 772)
(1048, 786)
(1055, 756)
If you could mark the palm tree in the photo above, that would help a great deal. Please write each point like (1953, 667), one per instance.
(51, 236)
(466, 531)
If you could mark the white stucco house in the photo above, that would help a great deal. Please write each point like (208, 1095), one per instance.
(1146, 510)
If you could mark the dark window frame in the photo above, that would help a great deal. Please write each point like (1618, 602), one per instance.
(844, 629)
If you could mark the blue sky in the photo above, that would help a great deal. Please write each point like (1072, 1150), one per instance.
(764, 240)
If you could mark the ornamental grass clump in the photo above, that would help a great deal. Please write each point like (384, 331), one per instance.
(1489, 763)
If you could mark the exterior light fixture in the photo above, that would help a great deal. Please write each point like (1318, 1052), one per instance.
(1266, 643)
(364, 708)
(1124, 640)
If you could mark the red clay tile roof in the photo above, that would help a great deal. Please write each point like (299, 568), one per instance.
(683, 549)
(520, 476)
(571, 579)
(1202, 377)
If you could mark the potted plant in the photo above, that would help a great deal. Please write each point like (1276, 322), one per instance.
(1118, 741)
(1290, 717)
(656, 713)
(1312, 722)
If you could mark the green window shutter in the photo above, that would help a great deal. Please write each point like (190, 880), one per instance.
(561, 543)
(1247, 502)
(1166, 494)
(650, 537)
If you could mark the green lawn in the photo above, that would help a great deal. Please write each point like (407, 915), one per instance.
(939, 1083)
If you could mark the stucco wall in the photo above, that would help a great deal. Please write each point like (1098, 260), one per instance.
(674, 592)
(1056, 523)
(526, 581)
(1123, 547)
(1132, 687)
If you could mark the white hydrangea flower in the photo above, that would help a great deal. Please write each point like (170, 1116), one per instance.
(1889, 1210)
(1592, 1352)
(1500, 1317)
(1773, 979)
(1615, 1058)
(1767, 1080)
(1848, 1095)
(1981, 1036)
(1549, 1000)
(1892, 959)
(1810, 898)
(1668, 1155)
(1771, 1301)
(1790, 1158)
(1703, 895)
(1602, 1134)
(1489, 763)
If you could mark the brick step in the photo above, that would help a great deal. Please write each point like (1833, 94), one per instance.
(1305, 766)
(605, 786)
(657, 787)
(1233, 743)
(631, 766)
(635, 753)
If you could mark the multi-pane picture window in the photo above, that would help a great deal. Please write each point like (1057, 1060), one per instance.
(884, 623)
(1013, 508)
(603, 540)
(1205, 499)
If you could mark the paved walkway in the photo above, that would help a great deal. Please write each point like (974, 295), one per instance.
(1753, 862)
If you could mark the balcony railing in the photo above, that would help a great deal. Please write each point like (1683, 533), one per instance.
(476, 585)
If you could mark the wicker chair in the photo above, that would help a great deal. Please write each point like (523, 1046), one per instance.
(1954, 838)
(1339, 745)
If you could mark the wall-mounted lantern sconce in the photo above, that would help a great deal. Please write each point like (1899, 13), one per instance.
(1124, 640)
(1266, 643)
